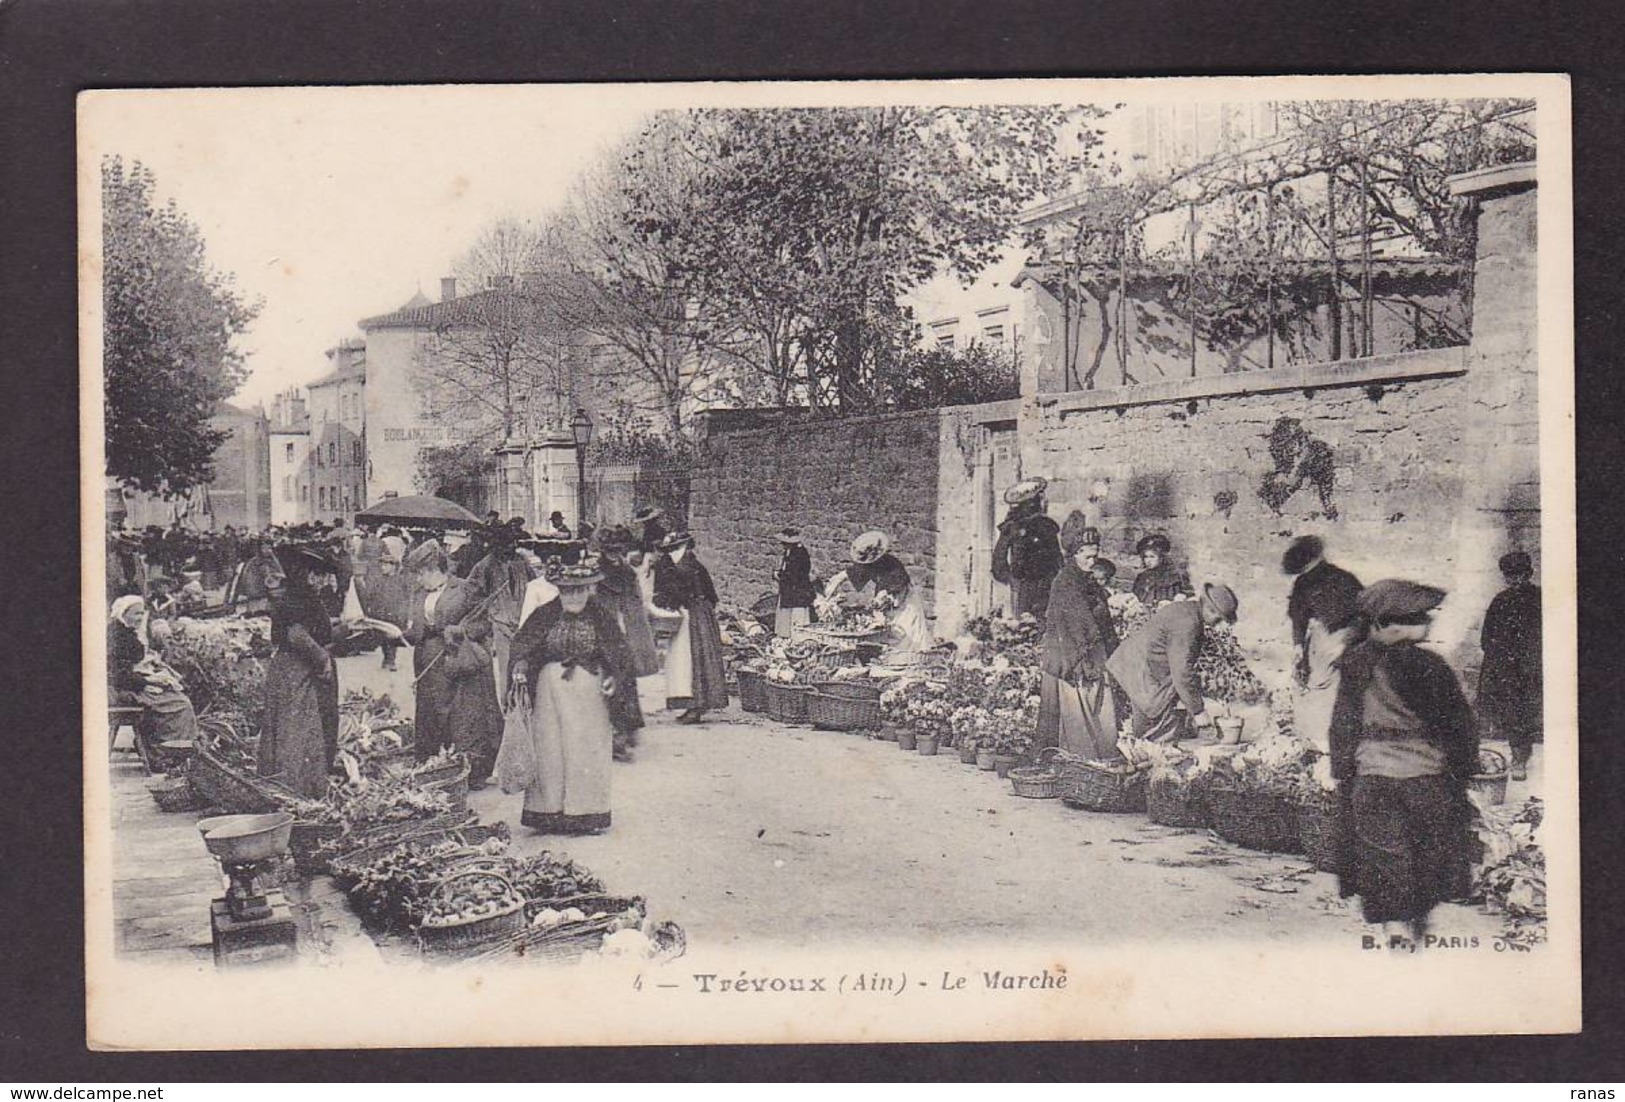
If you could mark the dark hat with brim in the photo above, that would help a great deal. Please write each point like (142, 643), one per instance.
(578, 575)
(647, 513)
(1395, 599)
(676, 540)
(1303, 551)
(306, 559)
(616, 538)
(1222, 599)
(1155, 542)
(789, 535)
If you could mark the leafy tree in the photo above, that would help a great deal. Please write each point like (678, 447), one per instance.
(169, 322)
(457, 472)
(929, 378)
(805, 227)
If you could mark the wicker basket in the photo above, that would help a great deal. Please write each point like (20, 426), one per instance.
(1254, 819)
(463, 934)
(451, 779)
(1041, 781)
(234, 790)
(174, 794)
(1320, 831)
(309, 842)
(752, 691)
(568, 941)
(830, 712)
(787, 703)
(1090, 787)
(1176, 803)
(849, 690)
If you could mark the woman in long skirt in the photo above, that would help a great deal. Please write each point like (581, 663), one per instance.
(794, 578)
(300, 737)
(1403, 743)
(1077, 710)
(457, 705)
(137, 680)
(696, 680)
(572, 691)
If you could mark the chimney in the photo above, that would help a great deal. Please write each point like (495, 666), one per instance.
(448, 288)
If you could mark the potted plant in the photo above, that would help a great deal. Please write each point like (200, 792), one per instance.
(1011, 744)
(966, 723)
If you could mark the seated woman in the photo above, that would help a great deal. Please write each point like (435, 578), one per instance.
(875, 570)
(571, 681)
(137, 677)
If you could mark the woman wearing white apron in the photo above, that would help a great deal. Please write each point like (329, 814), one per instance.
(1321, 608)
(873, 571)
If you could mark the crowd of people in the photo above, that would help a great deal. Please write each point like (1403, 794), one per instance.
(1400, 732)
(528, 649)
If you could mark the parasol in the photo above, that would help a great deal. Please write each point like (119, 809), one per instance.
(418, 510)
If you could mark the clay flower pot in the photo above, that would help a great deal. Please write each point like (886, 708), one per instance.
(986, 761)
(905, 738)
(927, 745)
(1229, 729)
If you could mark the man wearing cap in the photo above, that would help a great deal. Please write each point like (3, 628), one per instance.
(1321, 610)
(1403, 745)
(1510, 685)
(1028, 552)
(794, 578)
(499, 580)
(1156, 665)
(1161, 580)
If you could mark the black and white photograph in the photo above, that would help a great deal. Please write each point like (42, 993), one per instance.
(972, 560)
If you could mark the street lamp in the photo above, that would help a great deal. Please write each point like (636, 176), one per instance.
(581, 430)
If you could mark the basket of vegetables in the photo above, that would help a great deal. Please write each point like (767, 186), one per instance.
(1253, 817)
(471, 907)
(787, 701)
(1175, 801)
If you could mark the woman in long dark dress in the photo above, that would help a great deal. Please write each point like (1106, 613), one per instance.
(300, 738)
(1403, 743)
(572, 693)
(457, 705)
(694, 669)
(1077, 709)
(794, 578)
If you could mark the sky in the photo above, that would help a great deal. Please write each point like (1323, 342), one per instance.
(332, 205)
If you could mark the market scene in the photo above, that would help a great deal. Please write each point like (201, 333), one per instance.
(1049, 524)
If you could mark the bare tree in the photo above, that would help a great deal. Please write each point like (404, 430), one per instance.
(496, 359)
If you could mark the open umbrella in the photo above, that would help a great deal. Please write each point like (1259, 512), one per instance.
(418, 510)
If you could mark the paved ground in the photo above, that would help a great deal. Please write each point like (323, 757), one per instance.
(743, 831)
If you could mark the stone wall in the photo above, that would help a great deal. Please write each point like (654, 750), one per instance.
(833, 480)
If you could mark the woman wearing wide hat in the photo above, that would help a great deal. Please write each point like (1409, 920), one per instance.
(1161, 581)
(794, 578)
(648, 531)
(695, 679)
(1028, 552)
(299, 739)
(874, 570)
(572, 696)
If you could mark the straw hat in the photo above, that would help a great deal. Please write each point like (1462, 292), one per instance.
(870, 546)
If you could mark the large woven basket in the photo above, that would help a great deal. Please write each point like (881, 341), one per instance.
(752, 691)
(1254, 819)
(1320, 831)
(470, 933)
(451, 779)
(1041, 781)
(309, 843)
(1090, 787)
(834, 712)
(1176, 803)
(787, 703)
(234, 790)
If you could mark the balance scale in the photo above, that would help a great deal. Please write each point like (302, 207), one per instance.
(253, 922)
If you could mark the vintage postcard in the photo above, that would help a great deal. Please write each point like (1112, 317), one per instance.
(807, 562)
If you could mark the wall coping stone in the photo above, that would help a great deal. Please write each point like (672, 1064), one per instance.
(1392, 368)
(1477, 182)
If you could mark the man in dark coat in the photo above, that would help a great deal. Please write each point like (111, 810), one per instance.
(1321, 610)
(1027, 555)
(1403, 744)
(1156, 665)
(1510, 686)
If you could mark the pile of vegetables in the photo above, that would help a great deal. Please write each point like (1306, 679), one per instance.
(372, 802)
(547, 876)
(469, 899)
(221, 663)
(1510, 876)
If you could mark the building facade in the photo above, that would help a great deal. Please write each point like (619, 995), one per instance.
(239, 495)
(290, 460)
(338, 435)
